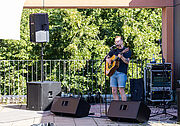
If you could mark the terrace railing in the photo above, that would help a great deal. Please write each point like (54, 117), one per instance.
(76, 76)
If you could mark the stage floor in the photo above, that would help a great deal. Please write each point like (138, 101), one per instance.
(17, 115)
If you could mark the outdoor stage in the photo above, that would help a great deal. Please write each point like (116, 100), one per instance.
(17, 115)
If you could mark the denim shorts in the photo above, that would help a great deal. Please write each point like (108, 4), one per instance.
(118, 79)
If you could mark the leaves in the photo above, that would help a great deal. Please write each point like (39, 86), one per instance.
(87, 34)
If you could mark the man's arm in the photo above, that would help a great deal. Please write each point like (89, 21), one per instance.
(125, 60)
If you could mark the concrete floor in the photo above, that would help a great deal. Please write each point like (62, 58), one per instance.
(17, 115)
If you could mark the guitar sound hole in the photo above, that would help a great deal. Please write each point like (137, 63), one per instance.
(110, 65)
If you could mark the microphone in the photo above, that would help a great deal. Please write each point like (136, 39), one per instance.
(112, 46)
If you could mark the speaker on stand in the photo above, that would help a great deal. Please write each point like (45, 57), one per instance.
(39, 33)
(39, 27)
(40, 94)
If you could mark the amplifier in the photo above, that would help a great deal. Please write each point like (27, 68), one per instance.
(161, 88)
(158, 82)
(160, 96)
(159, 66)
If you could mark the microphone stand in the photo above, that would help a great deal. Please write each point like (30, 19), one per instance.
(104, 60)
(164, 103)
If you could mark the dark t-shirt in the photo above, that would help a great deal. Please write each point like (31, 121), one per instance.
(122, 66)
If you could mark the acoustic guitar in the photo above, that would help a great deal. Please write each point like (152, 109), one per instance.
(111, 67)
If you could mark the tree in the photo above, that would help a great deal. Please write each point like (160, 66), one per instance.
(84, 35)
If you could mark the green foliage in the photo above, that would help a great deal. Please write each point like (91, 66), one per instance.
(81, 35)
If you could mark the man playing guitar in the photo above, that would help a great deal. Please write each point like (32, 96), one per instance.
(119, 77)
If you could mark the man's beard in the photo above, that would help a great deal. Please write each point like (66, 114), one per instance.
(119, 45)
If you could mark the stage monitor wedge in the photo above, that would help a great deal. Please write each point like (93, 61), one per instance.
(128, 111)
(70, 106)
(39, 27)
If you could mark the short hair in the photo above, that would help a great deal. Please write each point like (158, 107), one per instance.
(120, 38)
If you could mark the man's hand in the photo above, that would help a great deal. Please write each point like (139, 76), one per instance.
(125, 60)
(119, 55)
(108, 60)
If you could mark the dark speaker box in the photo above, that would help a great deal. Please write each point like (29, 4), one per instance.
(40, 94)
(39, 27)
(137, 89)
(69, 106)
(178, 103)
(132, 111)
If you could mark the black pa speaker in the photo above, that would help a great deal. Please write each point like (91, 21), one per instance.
(178, 103)
(137, 89)
(39, 27)
(40, 94)
(132, 111)
(70, 106)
